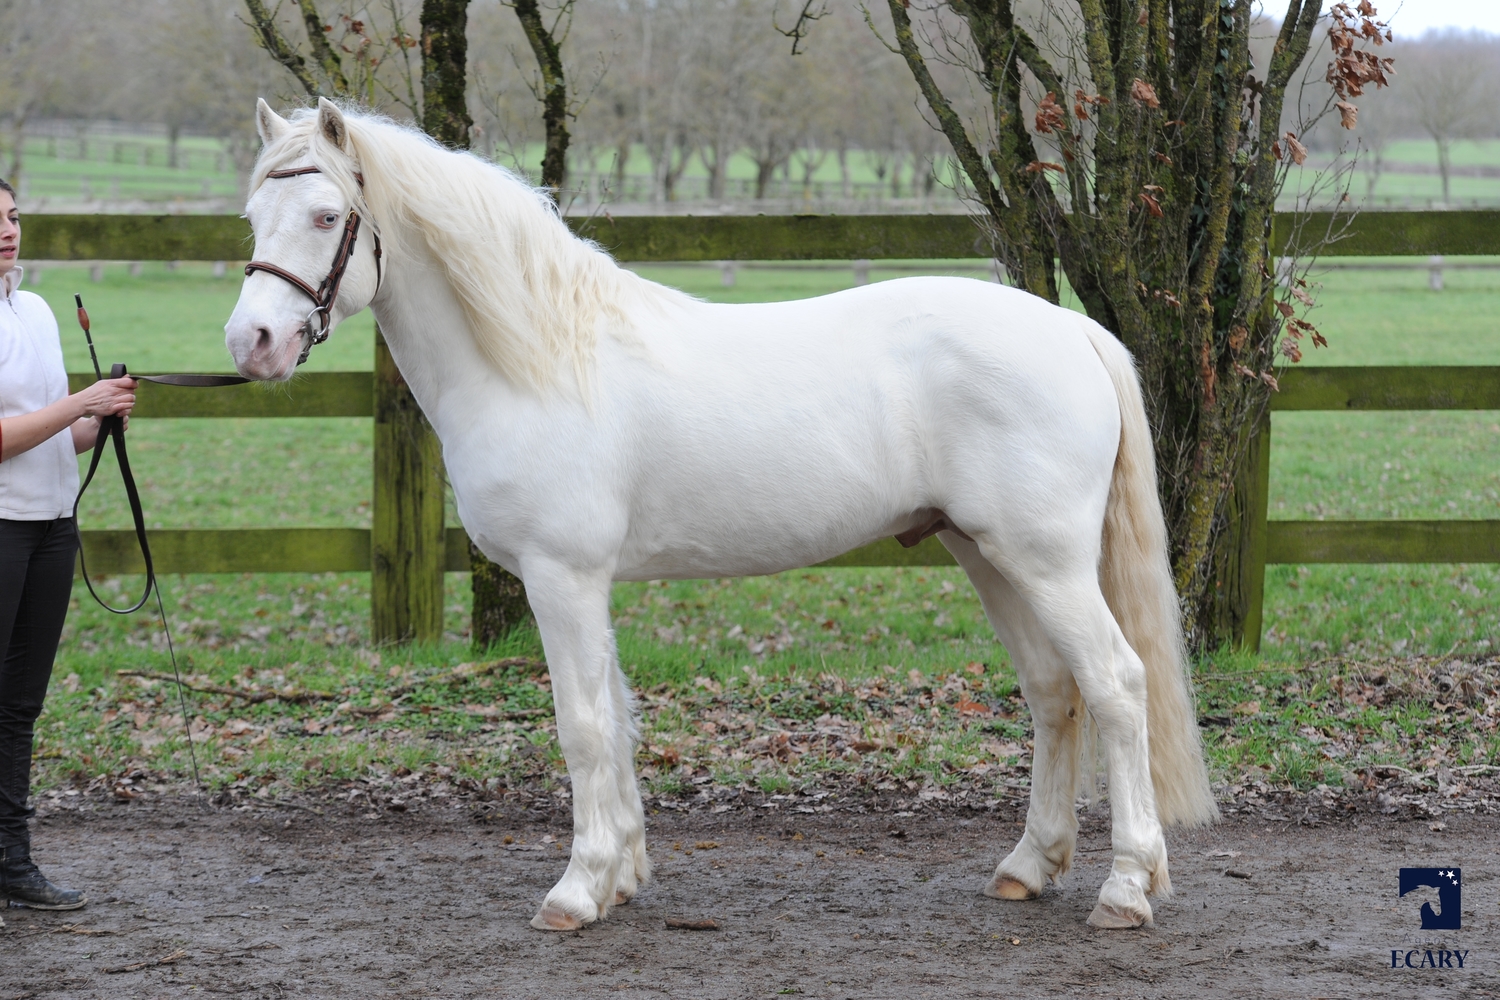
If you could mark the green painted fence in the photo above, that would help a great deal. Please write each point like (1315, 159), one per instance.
(351, 394)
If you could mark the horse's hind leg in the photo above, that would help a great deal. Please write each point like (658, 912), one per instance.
(596, 731)
(1046, 849)
(635, 865)
(1061, 587)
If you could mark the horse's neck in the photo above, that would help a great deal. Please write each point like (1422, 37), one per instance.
(424, 326)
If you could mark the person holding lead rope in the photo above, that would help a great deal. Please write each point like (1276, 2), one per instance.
(42, 430)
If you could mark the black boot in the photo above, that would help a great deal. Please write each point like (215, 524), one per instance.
(22, 882)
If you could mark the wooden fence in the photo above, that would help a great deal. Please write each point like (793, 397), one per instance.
(400, 544)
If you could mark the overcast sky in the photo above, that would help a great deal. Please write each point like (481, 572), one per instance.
(1413, 17)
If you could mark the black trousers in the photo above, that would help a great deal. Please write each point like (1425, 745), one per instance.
(36, 583)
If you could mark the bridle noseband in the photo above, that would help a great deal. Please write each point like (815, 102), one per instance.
(327, 293)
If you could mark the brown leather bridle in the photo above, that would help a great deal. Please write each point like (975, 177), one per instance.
(327, 293)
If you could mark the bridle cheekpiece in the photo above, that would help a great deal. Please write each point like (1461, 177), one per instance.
(326, 293)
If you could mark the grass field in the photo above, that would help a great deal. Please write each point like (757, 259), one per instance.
(797, 645)
(134, 167)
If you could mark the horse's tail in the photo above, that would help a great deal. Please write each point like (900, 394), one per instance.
(1136, 578)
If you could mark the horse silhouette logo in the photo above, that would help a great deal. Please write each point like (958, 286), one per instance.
(1449, 884)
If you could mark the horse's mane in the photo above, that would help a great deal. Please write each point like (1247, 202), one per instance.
(536, 296)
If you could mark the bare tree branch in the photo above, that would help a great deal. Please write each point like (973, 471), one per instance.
(270, 38)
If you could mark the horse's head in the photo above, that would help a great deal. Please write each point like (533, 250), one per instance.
(316, 261)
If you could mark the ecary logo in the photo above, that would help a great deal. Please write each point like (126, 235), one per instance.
(1448, 883)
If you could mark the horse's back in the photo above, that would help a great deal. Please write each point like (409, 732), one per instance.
(804, 428)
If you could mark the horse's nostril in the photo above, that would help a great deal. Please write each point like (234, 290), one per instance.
(263, 338)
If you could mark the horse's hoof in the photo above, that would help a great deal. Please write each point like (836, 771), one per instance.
(1002, 887)
(1111, 919)
(550, 918)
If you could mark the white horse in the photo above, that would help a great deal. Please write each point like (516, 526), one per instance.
(598, 427)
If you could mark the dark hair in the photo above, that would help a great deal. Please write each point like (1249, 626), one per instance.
(5, 186)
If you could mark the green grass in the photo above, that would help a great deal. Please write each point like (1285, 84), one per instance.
(762, 655)
(133, 167)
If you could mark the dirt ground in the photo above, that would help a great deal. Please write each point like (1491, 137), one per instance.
(267, 902)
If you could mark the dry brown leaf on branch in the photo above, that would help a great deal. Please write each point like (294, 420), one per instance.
(1302, 296)
(1237, 338)
(1353, 69)
(1285, 310)
(1049, 115)
(1037, 166)
(1164, 158)
(1240, 369)
(1143, 92)
(1152, 205)
(1270, 380)
(1290, 348)
(1295, 149)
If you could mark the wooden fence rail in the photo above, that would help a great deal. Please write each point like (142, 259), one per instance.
(664, 239)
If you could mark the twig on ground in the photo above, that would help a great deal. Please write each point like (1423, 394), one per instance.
(176, 956)
(466, 670)
(303, 697)
(676, 924)
(296, 696)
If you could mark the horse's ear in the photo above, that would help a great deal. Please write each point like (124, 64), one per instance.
(268, 123)
(331, 124)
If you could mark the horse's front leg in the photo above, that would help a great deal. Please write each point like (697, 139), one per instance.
(596, 727)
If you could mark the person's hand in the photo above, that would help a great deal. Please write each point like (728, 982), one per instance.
(108, 397)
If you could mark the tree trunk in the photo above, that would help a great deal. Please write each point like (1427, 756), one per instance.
(499, 599)
(445, 109)
(18, 151)
(554, 94)
(1445, 167)
(1159, 210)
(765, 172)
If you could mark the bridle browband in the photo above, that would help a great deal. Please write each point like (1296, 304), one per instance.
(327, 293)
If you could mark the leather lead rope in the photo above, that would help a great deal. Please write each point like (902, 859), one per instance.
(113, 429)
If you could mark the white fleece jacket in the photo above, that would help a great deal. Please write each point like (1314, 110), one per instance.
(40, 484)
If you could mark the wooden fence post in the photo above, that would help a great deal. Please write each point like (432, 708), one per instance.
(407, 544)
(1242, 571)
